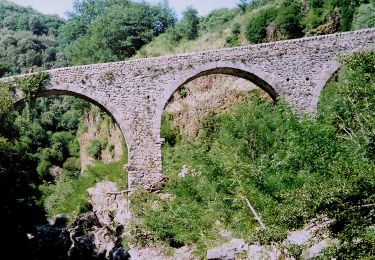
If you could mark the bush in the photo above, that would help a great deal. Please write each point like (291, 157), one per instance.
(256, 30)
(43, 169)
(289, 19)
(233, 40)
(365, 17)
(69, 194)
(95, 148)
(167, 131)
(72, 164)
(31, 85)
(217, 18)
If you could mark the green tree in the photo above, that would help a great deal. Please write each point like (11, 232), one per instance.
(242, 4)
(256, 30)
(188, 26)
(37, 26)
(289, 19)
(18, 182)
(119, 32)
(365, 17)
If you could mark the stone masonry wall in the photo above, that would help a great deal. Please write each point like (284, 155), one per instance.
(135, 92)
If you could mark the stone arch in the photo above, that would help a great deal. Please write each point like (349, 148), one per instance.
(231, 71)
(261, 79)
(109, 110)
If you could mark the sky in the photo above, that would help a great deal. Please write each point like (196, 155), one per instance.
(61, 6)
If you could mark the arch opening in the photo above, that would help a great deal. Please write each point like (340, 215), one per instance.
(78, 144)
(259, 82)
(211, 91)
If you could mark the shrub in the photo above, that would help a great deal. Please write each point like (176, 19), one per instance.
(72, 164)
(289, 19)
(256, 30)
(217, 18)
(365, 17)
(43, 169)
(96, 146)
(31, 84)
(69, 194)
(233, 40)
(167, 131)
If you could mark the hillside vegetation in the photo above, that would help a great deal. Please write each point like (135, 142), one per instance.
(261, 21)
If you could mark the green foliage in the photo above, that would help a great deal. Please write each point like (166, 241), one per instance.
(17, 18)
(325, 13)
(18, 181)
(256, 30)
(188, 26)
(242, 5)
(183, 91)
(365, 17)
(233, 40)
(30, 85)
(5, 99)
(347, 9)
(43, 169)
(27, 40)
(289, 19)
(96, 146)
(218, 18)
(118, 31)
(167, 131)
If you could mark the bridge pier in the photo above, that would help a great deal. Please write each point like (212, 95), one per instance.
(144, 166)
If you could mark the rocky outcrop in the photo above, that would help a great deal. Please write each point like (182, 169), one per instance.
(228, 251)
(92, 235)
(306, 243)
(161, 253)
(110, 206)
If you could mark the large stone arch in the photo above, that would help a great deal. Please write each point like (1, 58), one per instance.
(261, 79)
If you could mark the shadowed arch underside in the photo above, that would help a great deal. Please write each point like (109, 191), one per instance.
(236, 73)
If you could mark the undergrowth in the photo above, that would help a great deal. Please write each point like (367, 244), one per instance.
(68, 195)
(291, 169)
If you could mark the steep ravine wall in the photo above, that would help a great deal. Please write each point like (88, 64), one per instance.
(98, 128)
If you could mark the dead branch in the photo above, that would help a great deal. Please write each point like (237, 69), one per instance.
(256, 216)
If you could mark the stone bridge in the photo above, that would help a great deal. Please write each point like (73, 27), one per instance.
(135, 92)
